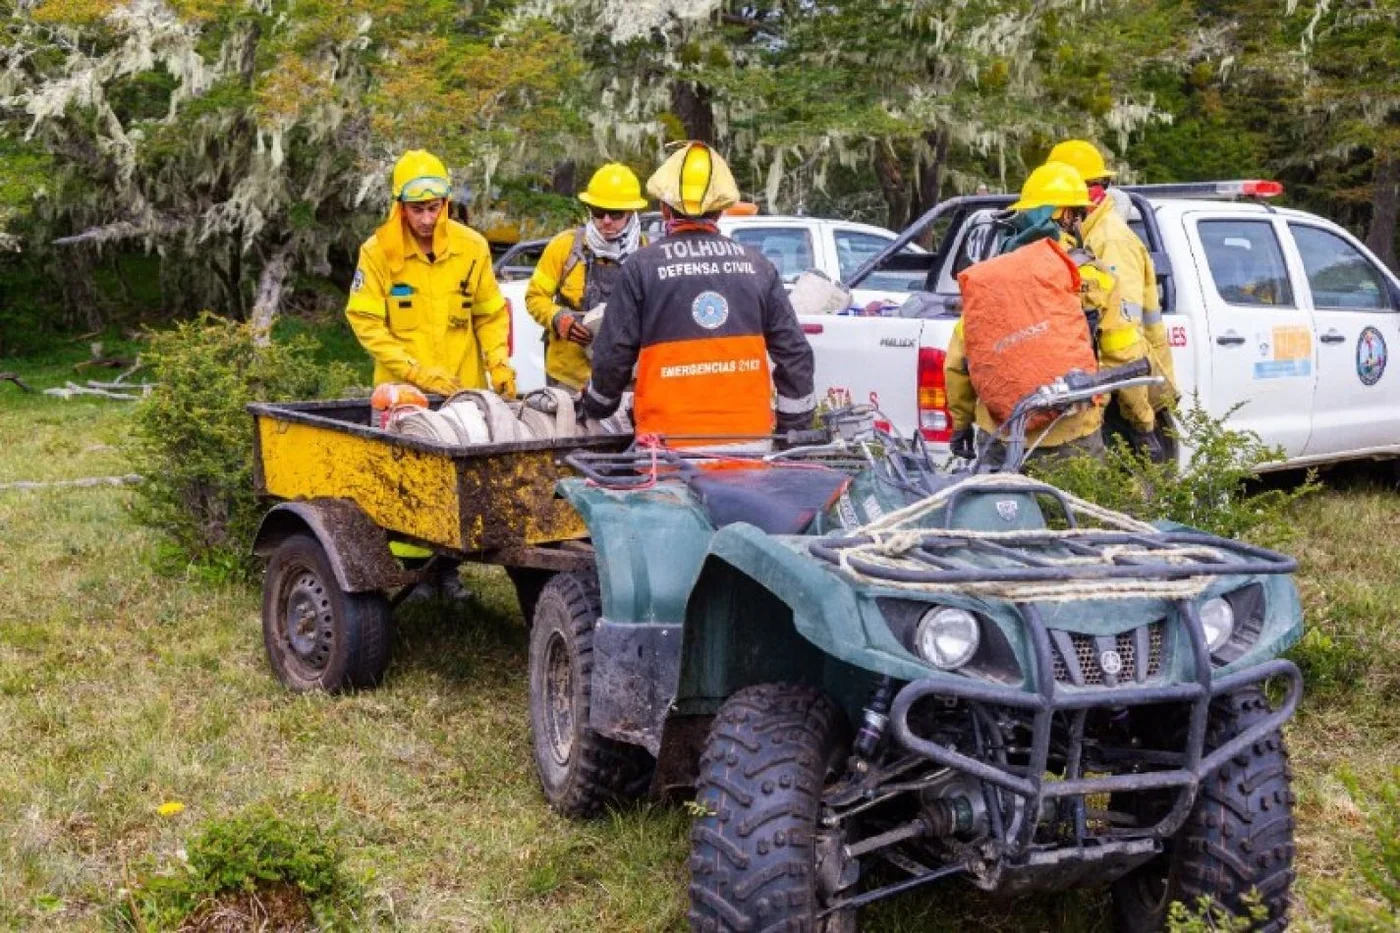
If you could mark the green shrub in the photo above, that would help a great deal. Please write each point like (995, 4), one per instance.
(1379, 862)
(1212, 492)
(254, 853)
(1206, 916)
(193, 441)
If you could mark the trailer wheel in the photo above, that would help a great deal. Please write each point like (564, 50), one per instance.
(753, 861)
(579, 770)
(317, 636)
(1237, 839)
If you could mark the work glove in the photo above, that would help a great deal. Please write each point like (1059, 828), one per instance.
(1148, 443)
(569, 328)
(434, 379)
(963, 443)
(503, 380)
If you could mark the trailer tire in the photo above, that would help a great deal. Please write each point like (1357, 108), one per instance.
(317, 636)
(579, 770)
(753, 861)
(1238, 837)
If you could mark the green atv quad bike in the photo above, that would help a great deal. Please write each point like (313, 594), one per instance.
(876, 676)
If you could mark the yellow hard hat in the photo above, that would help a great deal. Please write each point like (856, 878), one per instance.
(420, 176)
(1082, 156)
(614, 187)
(694, 181)
(1054, 184)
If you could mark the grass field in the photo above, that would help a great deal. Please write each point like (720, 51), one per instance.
(123, 688)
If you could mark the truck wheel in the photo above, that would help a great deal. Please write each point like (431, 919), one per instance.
(753, 860)
(1238, 837)
(580, 770)
(317, 636)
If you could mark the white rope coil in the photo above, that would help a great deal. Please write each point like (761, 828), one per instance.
(892, 538)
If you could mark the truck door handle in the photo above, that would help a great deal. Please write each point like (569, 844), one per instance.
(1229, 339)
(1333, 336)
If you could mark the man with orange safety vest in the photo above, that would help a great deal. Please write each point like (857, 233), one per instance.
(699, 316)
(1107, 234)
(578, 269)
(424, 301)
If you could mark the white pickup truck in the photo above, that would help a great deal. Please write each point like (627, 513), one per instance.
(1278, 311)
(794, 244)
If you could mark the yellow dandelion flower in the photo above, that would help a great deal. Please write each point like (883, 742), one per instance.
(170, 808)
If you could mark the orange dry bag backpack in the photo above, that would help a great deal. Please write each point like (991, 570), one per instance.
(1023, 325)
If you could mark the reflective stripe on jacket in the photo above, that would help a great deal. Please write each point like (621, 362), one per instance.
(448, 313)
(1120, 338)
(700, 316)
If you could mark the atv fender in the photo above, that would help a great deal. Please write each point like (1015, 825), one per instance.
(649, 546)
(358, 549)
(762, 600)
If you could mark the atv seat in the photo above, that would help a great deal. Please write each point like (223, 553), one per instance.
(778, 500)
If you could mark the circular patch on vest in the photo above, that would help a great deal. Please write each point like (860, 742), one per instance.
(710, 310)
(358, 282)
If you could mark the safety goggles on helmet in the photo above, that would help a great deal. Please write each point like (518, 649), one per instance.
(425, 188)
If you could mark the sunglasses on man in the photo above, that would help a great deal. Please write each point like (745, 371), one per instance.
(602, 213)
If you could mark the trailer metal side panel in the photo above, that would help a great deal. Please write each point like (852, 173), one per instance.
(470, 499)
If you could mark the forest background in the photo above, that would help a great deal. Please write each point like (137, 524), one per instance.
(161, 157)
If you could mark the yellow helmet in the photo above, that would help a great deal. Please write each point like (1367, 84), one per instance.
(1054, 184)
(614, 187)
(1082, 156)
(420, 176)
(694, 181)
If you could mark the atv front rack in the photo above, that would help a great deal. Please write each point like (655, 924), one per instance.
(1112, 559)
(1087, 555)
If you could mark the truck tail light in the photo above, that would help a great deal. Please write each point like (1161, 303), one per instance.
(935, 420)
(510, 330)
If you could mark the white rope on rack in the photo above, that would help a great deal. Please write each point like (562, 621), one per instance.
(892, 538)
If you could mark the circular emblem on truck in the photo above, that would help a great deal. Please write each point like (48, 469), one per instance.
(710, 310)
(1370, 356)
(1111, 662)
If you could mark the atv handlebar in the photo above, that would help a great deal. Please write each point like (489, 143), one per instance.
(1077, 381)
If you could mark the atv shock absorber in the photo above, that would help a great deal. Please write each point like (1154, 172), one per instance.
(874, 720)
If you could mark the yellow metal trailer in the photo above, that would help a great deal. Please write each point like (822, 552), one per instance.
(342, 491)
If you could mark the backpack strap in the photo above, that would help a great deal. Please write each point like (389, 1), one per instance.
(576, 256)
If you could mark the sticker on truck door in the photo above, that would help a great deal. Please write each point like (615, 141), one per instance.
(1370, 356)
(1284, 353)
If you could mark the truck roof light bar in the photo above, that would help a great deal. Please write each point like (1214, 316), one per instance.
(1212, 190)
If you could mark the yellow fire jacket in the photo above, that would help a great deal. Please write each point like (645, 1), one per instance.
(1120, 340)
(563, 359)
(448, 313)
(1108, 236)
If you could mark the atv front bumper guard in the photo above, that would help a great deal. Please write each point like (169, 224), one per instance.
(1045, 701)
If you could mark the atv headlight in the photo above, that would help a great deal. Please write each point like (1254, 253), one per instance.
(1218, 622)
(947, 638)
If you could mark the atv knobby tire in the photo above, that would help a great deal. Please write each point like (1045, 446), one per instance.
(317, 636)
(753, 857)
(1238, 837)
(580, 771)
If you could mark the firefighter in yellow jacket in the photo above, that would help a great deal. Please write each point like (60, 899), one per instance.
(577, 270)
(1107, 234)
(424, 301)
(1053, 202)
